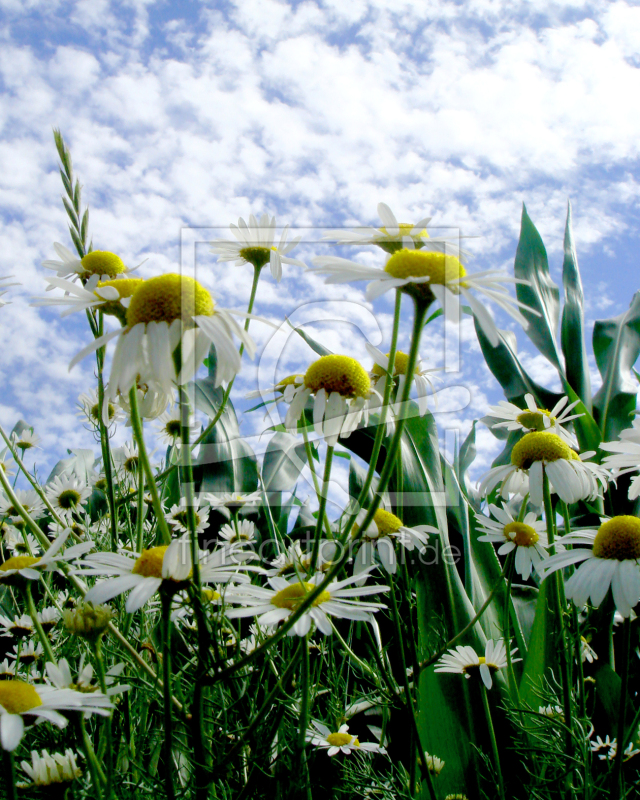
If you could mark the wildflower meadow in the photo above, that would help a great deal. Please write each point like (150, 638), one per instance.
(187, 620)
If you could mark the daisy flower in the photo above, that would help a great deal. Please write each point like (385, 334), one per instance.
(169, 427)
(608, 745)
(144, 575)
(340, 742)
(509, 416)
(294, 560)
(569, 475)
(227, 503)
(126, 458)
(67, 495)
(587, 653)
(277, 603)
(528, 538)
(102, 263)
(421, 377)
(627, 456)
(434, 764)
(26, 439)
(27, 654)
(429, 275)
(49, 770)
(242, 532)
(89, 407)
(379, 537)
(166, 313)
(341, 389)
(178, 518)
(22, 702)
(464, 660)
(610, 560)
(283, 389)
(255, 245)
(390, 237)
(28, 499)
(112, 297)
(18, 568)
(61, 677)
(20, 627)
(48, 618)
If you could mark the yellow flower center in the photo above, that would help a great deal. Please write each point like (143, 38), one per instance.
(292, 596)
(441, 269)
(101, 262)
(258, 256)
(400, 364)
(95, 414)
(386, 522)
(18, 562)
(393, 243)
(169, 297)
(618, 538)
(149, 564)
(521, 534)
(172, 428)
(290, 380)
(69, 499)
(16, 697)
(534, 420)
(540, 447)
(340, 739)
(125, 286)
(210, 595)
(340, 374)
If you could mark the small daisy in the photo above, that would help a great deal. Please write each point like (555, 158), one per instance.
(126, 458)
(20, 627)
(340, 742)
(228, 503)
(553, 712)
(421, 377)
(383, 530)
(275, 604)
(609, 746)
(169, 427)
(25, 440)
(48, 618)
(178, 518)
(61, 677)
(528, 538)
(102, 263)
(145, 574)
(166, 313)
(242, 532)
(89, 407)
(464, 660)
(627, 456)
(18, 568)
(533, 418)
(429, 275)
(390, 237)
(26, 654)
(28, 499)
(611, 559)
(255, 245)
(112, 297)
(22, 702)
(67, 495)
(434, 764)
(283, 389)
(569, 475)
(587, 653)
(49, 770)
(341, 389)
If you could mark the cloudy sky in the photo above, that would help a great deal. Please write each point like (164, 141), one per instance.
(188, 116)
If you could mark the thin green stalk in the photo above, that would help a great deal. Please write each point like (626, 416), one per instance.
(254, 286)
(166, 674)
(44, 639)
(304, 716)
(618, 777)
(492, 739)
(107, 721)
(98, 778)
(582, 706)
(140, 513)
(506, 618)
(322, 506)
(9, 775)
(314, 477)
(136, 424)
(104, 442)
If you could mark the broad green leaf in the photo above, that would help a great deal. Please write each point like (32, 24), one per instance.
(587, 430)
(542, 654)
(542, 294)
(572, 331)
(616, 345)
(226, 463)
(283, 461)
(511, 375)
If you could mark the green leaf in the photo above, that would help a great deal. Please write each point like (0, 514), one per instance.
(313, 344)
(466, 457)
(587, 430)
(542, 654)
(283, 462)
(226, 463)
(542, 294)
(572, 332)
(616, 345)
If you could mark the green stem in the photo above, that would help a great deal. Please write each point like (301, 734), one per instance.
(618, 777)
(314, 477)
(492, 739)
(98, 778)
(304, 715)
(506, 618)
(582, 706)
(104, 443)
(136, 424)
(322, 507)
(140, 514)
(106, 725)
(166, 674)
(254, 286)
(9, 775)
(44, 639)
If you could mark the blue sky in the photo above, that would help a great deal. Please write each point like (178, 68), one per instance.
(192, 116)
